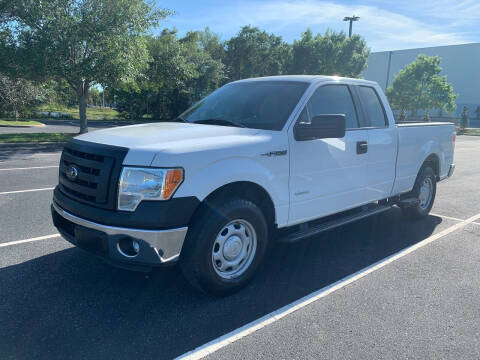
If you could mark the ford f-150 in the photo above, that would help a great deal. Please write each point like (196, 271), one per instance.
(257, 161)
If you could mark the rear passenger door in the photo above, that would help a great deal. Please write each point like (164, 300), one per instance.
(328, 175)
(382, 144)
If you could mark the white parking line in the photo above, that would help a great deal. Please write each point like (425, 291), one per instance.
(447, 217)
(22, 191)
(452, 218)
(29, 240)
(274, 316)
(28, 168)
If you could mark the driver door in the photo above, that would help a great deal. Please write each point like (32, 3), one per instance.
(328, 175)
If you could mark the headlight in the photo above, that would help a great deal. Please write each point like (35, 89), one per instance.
(137, 184)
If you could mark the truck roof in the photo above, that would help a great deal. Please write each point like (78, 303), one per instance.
(306, 79)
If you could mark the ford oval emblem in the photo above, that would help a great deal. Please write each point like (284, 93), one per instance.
(72, 173)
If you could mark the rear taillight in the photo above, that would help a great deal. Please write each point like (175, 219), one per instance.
(454, 137)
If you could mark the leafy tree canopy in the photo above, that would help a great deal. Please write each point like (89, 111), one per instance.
(17, 94)
(81, 41)
(180, 71)
(255, 53)
(211, 43)
(329, 54)
(421, 87)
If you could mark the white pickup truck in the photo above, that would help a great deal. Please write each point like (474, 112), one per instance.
(258, 160)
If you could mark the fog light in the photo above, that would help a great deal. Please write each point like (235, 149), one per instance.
(136, 246)
(128, 247)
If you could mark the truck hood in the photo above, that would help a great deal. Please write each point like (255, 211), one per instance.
(144, 141)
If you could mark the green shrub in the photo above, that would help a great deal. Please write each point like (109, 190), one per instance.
(464, 120)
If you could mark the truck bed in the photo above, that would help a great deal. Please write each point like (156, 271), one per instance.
(416, 141)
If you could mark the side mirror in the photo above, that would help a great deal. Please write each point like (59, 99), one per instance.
(321, 127)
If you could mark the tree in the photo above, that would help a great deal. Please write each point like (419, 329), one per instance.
(477, 111)
(95, 96)
(180, 72)
(464, 120)
(420, 87)
(256, 53)
(17, 94)
(201, 50)
(211, 43)
(60, 93)
(329, 54)
(84, 42)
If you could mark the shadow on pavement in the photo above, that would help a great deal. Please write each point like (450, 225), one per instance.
(70, 305)
(7, 151)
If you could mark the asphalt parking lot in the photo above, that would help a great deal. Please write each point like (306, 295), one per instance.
(57, 302)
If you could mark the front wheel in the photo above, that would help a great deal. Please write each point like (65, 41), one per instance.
(424, 190)
(224, 246)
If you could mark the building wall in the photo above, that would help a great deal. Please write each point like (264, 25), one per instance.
(460, 63)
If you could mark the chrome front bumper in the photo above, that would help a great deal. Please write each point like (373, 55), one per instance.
(156, 246)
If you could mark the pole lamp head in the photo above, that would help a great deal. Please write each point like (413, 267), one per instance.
(351, 18)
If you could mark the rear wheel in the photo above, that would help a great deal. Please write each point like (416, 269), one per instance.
(424, 190)
(224, 246)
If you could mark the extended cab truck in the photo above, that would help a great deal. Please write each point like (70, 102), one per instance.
(275, 158)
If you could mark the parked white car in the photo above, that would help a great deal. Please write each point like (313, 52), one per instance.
(258, 160)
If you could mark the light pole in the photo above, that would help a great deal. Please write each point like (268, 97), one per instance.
(351, 19)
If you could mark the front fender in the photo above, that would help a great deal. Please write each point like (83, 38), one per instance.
(273, 178)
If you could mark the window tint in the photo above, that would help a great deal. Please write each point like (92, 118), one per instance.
(334, 99)
(373, 107)
(254, 104)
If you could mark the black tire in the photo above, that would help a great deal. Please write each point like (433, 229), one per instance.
(196, 257)
(418, 211)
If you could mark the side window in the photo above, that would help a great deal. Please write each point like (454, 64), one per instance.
(334, 99)
(373, 107)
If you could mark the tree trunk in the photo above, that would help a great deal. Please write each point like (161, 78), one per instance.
(82, 93)
(82, 108)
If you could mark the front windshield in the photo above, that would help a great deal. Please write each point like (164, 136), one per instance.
(253, 104)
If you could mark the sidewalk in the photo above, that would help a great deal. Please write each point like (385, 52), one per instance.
(62, 126)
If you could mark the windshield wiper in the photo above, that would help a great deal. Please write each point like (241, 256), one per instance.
(219, 122)
(180, 119)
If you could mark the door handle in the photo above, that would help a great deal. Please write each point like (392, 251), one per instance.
(362, 147)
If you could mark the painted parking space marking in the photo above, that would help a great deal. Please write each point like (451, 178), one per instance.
(217, 344)
(23, 191)
(29, 168)
(447, 217)
(17, 242)
(452, 218)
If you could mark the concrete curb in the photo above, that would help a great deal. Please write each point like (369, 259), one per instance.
(22, 126)
(3, 145)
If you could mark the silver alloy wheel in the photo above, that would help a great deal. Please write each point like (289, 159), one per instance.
(234, 249)
(426, 193)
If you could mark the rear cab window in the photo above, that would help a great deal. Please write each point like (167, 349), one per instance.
(373, 108)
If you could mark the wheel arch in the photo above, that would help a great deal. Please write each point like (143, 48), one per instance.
(433, 161)
(247, 190)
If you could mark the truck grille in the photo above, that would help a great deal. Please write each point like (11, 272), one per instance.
(97, 168)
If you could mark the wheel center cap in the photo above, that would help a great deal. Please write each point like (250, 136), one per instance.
(232, 247)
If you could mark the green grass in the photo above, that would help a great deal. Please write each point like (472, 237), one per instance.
(35, 137)
(19, 122)
(92, 113)
(473, 132)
